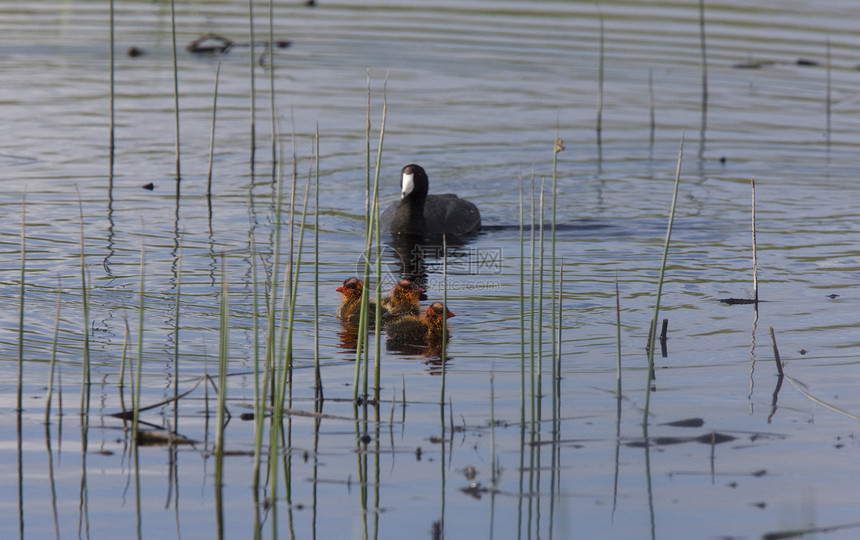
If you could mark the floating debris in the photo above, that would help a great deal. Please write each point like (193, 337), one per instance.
(753, 64)
(687, 423)
(714, 438)
(160, 438)
(733, 301)
(708, 438)
(474, 489)
(210, 43)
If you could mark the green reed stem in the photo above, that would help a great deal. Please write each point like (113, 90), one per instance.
(652, 122)
(53, 361)
(600, 88)
(272, 81)
(556, 362)
(618, 336)
(522, 313)
(285, 348)
(253, 105)
(362, 331)
(378, 328)
(361, 470)
(368, 232)
(288, 269)
(318, 389)
(176, 320)
(137, 384)
(368, 223)
(111, 100)
(365, 297)
(828, 99)
(269, 365)
(21, 303)
(291, 288)
(294, 185)
(367, 214)
(653, 334)
(277, 399)
(85, 297)
(492, 431)
(377, 364)
(223, 335)
(212, 132)
(223, 331)
(125, 337)
(704, 53)
(532, 308)
(259, 392)
(541, 259)
(754, 256)
(175, 89)
(559, 146)
(293, 294)
(444, 317)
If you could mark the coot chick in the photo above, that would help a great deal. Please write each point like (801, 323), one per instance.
(420, 214)
(424, 331)
(403, 300)
(350, 307)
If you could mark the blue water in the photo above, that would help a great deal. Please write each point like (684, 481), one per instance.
(475, 92)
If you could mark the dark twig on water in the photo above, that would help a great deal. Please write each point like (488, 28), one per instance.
(733, 301)
(798, 386)
(663, 350)
(215, 43)
(776, 353)
(210, 43)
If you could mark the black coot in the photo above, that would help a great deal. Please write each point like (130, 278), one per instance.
(420, 214)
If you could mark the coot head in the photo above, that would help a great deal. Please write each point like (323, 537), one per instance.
(414, 184)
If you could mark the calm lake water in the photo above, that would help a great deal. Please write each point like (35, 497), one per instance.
(476, 92)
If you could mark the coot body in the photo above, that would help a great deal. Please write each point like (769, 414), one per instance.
(420, 214)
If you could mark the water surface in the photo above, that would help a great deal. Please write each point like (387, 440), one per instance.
(475, 93)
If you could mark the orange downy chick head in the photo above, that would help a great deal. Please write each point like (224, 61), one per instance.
(435, 310)
(351, 287)
(407, 289)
